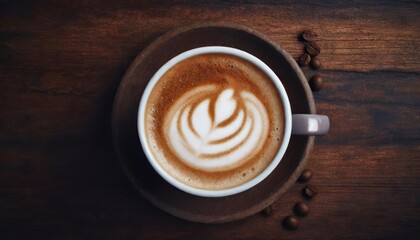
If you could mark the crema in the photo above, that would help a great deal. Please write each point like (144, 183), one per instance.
(214, 121)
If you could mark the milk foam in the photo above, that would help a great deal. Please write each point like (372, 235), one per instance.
(214, 121)
(213, 129)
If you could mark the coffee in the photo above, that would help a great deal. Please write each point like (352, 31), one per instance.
(312, 49)
(214, 121)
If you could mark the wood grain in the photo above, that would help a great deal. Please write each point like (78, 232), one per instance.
(60, 66)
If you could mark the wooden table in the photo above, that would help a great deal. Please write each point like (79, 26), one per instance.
(60, 66)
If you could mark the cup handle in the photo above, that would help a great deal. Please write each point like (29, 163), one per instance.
(310, 124)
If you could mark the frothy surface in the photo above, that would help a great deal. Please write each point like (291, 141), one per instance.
(214, 121)
(213, 130)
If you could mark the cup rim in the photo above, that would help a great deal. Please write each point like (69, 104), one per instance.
(206, 50)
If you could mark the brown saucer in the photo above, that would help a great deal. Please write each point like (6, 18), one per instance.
(137, 167)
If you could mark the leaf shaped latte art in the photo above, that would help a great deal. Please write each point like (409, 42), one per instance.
(216, 130)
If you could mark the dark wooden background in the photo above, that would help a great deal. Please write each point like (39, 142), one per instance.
(60, 66)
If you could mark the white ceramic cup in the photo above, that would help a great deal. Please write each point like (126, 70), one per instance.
(300, 124)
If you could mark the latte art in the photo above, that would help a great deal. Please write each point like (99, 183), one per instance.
(216, 130)
(214, 121)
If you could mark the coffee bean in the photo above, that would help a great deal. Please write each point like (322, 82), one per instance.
(305, 176)
(309, 191)
(304, 60)
(312, 48)
(309, 36)
(316, 83)
(301, 209)
(291, 222)
(316, 63)
(267, 211)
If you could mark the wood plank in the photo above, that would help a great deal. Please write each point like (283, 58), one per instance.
(354, 38)
(337, 211)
